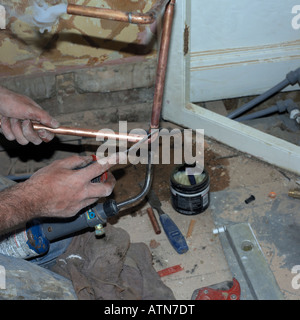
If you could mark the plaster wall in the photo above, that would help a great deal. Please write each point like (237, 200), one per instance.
(75, 42)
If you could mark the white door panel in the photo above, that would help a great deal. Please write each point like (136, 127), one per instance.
(241, 48)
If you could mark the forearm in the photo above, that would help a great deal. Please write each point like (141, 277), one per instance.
(18, 205)
(55, 191)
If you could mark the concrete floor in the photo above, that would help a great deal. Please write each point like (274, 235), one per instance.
(205, 263)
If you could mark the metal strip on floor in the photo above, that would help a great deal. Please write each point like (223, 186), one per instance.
(248, 263)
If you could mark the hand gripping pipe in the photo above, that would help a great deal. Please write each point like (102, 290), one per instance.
(292, 78)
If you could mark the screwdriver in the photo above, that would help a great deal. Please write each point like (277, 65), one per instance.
(173, 233)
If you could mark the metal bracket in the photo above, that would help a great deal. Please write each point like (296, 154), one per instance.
(248, 263)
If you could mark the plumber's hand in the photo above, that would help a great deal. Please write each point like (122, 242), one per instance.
(17, 112)
(60, 191)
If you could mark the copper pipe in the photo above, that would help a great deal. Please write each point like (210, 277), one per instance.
(117, 15)
(88, 133)
(162, 65)
(153, 220)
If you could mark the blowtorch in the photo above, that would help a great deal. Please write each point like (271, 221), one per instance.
(92, 218)
(36, 238)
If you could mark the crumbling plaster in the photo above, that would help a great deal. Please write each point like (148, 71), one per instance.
(75, 42)
(82, 63)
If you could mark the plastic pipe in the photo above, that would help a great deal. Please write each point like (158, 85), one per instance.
(292, 78)
(258, 114)
(251, 104)
(280, 107)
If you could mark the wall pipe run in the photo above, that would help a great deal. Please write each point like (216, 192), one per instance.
(117, 15)
(147, 18)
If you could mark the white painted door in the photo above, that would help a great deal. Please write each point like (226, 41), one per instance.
(241, 48)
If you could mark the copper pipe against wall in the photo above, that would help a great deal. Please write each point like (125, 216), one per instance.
(88, 133)
(161, 68)
(142, 19)
(162, 65)
(117, 15)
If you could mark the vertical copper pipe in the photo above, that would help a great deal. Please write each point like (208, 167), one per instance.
(162, 64)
